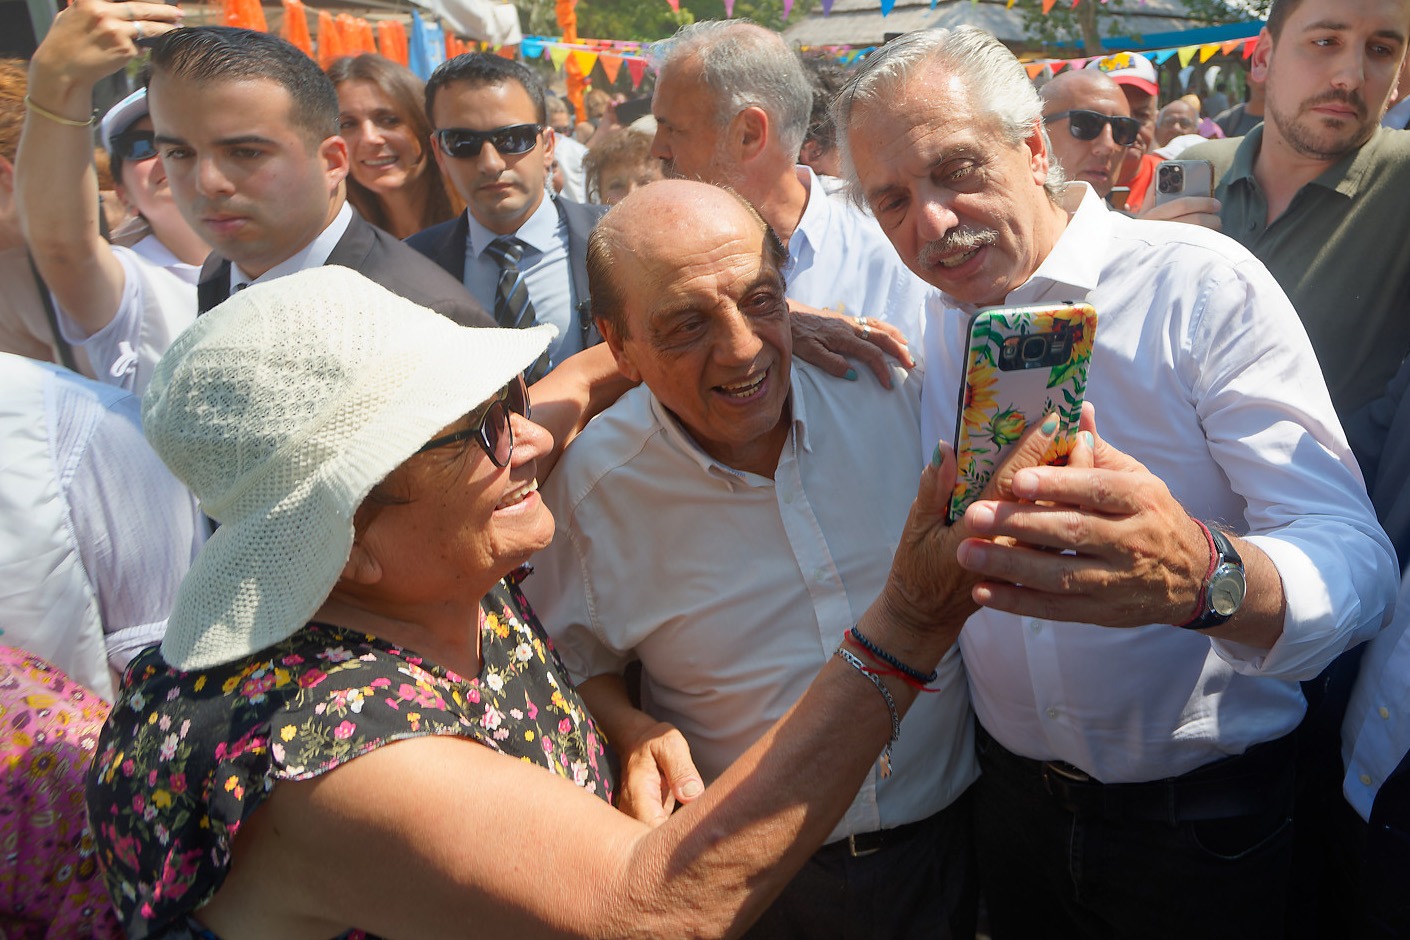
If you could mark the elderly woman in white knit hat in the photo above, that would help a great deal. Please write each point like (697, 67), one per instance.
(355, 724)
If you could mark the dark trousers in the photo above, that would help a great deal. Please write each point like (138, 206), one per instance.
(919, 884)
(1094, 861)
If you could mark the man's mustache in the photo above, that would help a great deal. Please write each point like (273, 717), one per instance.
(959, 240)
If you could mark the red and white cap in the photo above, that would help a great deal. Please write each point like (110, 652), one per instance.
(1129, 68)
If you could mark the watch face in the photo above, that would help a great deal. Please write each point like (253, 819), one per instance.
(1226, 591)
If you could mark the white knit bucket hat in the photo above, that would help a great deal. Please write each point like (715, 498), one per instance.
(281, 409)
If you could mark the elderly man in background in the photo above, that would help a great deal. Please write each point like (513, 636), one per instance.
(1176, 128)
(733, 440)
(1136, 689)
(732, 107)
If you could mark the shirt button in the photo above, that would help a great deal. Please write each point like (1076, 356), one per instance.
(1385, 712)
(1051, 713)
(1035, 627)
(788, 498)
(1365, 780)
(820, 575)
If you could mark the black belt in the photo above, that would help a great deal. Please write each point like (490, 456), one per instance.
(862, 844)
(1258, 781)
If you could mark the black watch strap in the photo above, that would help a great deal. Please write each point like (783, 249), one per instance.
(1224, 586)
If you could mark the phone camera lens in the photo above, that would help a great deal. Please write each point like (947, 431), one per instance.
(1034, 348)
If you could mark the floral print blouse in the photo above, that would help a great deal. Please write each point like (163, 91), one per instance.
(186, 757)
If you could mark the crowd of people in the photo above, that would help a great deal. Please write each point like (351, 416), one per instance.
(426, 513)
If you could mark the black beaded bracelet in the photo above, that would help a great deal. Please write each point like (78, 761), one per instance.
(908, 671)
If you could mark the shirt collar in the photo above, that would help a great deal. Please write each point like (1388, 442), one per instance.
(1346, 176)
(817, 211)
(676, 433)
(314, 255)
(538, 231)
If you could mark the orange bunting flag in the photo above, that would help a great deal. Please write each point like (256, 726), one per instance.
(295, 28)
(1034, 69)
(611, 65)
(392, 42)
(1048, 6)
(329, 45)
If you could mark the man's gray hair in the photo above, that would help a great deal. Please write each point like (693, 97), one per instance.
(995, 80)
(745, 66)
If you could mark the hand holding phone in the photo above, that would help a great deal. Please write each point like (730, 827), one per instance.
(1021, 364)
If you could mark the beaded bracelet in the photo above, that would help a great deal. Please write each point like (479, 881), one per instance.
(881, 654)
(58, 118)
(851, 660)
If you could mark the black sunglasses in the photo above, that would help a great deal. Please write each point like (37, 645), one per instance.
(465, 143)
(135, 145)
(490, 423)
(1087, 125)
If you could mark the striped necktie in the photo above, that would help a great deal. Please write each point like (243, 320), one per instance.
(512, 307)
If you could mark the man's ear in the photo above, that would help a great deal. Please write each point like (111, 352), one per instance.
(336, 162)
(614, 342)
(1038, 158)
(751, 128)
(1262, 53)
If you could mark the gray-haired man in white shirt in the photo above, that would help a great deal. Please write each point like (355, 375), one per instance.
(1135, 716)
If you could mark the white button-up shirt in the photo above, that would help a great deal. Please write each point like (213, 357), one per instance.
(1203, 372)
(734, 589)
(95, 533)
(840, 259)
(1375, 733)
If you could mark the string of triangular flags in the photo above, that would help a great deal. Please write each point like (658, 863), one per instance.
(1202, 52)
(1187, 54)
(611, 54)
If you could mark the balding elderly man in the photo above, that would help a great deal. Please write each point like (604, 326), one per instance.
(732, 106)
(1176, 128)
(1137, 686)
(725, 523)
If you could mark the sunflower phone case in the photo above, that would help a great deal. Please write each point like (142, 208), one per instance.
(1020, 364)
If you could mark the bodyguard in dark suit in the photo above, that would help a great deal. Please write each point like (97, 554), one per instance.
(517, 250)
(247, 128)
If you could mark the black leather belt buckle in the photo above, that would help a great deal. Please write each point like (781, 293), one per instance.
(862, 844)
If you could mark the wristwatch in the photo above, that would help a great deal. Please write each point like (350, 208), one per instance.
(1224, 586)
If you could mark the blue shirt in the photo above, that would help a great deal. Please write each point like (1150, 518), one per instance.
(547, 273)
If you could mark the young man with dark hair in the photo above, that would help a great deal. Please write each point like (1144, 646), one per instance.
(517, 250)
(245, 126)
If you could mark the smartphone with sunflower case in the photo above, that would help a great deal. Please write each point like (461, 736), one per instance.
(1020, 364)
